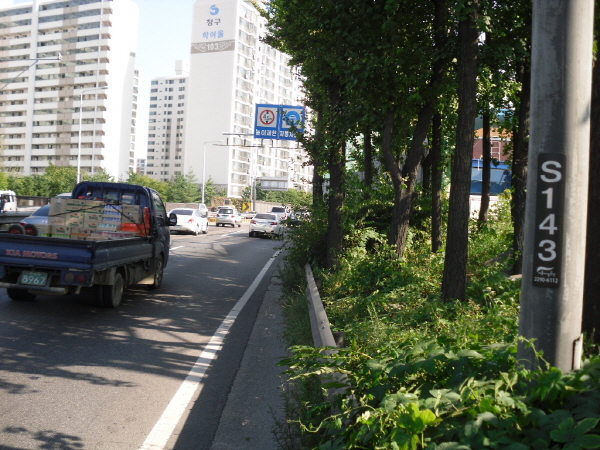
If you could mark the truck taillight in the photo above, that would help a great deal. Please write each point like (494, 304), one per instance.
(75, 278)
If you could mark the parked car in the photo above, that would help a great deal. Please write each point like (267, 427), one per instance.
(228, 215)
(266, 224)
(190, 220)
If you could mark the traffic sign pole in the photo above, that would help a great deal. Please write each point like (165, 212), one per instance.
(554, 248)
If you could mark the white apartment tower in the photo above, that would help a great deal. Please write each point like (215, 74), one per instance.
(166, 124)
(231, 71)
(68, 86)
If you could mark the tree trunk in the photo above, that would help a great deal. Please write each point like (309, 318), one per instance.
(404, 204)
(454, 283)
(591, 305)
(404, 199)
(426, 170)
(436, 183)
(486, 176)
(368, 163)
(519, 167)
(317, 181)
(336, 162)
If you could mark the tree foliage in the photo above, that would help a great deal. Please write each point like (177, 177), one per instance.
(383, 69)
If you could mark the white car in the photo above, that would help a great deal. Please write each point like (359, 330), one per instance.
(228, 215)
(190, 220)
(266, 224)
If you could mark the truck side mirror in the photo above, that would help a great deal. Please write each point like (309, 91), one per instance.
(172, 219)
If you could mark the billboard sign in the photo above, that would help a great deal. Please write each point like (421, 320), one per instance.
(280, 122)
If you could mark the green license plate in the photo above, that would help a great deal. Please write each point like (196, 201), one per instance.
(34, 278)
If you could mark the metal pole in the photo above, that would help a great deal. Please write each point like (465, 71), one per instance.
(204, 166)
(555, 234)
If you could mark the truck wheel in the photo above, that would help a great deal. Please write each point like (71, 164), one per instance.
(30, 230)
(112, 294)
(19, 295)
(16, 228)
(158, 273)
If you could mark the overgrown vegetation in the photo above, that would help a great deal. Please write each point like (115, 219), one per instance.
(419, 372)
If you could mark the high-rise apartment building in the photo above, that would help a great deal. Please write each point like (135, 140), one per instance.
(166, 124)
(68, 86)
(231, 71)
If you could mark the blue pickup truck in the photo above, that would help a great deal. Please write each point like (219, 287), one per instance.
(102, 267)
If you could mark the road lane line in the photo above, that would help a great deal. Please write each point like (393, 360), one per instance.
(162, 431)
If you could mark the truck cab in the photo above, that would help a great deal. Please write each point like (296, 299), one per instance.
(8, 201)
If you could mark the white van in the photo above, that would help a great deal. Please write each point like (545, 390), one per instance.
(8, 201)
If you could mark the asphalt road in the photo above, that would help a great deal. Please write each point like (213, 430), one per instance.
(77, 376)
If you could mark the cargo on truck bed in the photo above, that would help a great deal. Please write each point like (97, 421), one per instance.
(102, 239)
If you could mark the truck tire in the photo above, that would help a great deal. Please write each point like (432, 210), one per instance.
(30, 230)
(19, 295)
(112, 294)
(158, 273)
(16, 228)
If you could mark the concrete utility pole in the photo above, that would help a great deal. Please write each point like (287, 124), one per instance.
(555, 225)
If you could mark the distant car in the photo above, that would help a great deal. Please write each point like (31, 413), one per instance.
(203, 209)
(266, 224)
(281, 210)
(38, 217)
(229, 216)
(27, 225)
(190, 220)
(248, 214)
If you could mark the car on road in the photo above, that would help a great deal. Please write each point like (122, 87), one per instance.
(40, 216)
(28, 224)
(266, 224)
(189, 220)
(281, 210)
(228, 216)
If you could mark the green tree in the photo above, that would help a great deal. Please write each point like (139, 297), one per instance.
(144, 180)
(3, 181)
(184, 189)
(211, 192)
(103, 175)
(57, 180)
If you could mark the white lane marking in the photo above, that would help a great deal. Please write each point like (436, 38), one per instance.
(175, 248)
(162, 431)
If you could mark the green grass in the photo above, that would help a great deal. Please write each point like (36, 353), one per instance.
(423, 373)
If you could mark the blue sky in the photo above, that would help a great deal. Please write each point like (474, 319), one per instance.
(165, 29)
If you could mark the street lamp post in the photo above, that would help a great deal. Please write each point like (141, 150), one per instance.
(204, 166)
(79, 134)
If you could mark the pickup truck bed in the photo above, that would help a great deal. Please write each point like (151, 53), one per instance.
(29, 251)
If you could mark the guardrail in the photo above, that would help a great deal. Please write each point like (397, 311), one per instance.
(321, 328)
(8, 218)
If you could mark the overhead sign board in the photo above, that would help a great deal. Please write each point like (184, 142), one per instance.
(280, 122)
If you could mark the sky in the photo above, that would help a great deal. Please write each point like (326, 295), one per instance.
(165, 30)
